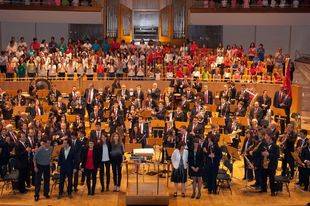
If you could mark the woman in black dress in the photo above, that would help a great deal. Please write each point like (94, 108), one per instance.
(179, 159)
(195, 163)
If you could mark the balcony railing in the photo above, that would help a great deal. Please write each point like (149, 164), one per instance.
(248, 6)
(51, 5)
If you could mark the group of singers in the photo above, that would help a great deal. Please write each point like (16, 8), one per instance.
(31, 143)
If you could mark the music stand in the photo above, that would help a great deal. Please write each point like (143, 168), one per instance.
(218, 121)
(243, 121)
(233, 152)
(224, 139)
(251, 167)
(146, 113)
(17, 110)
(71, 118)
(211, 107)
(179, 124)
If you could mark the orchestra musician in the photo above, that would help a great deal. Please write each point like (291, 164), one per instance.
(53, 95)
(89, 96)
(207, 95)
(212, 157)
(270, 153)
(305, 170)
(287, 145)
(256, 113)
(248, 143)
(264, 101)
(19, 99)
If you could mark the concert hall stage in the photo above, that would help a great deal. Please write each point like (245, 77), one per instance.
(238, 197)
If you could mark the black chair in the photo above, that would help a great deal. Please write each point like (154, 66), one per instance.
(55, 176)
(283, 180)
(10, 176)
(223, 178)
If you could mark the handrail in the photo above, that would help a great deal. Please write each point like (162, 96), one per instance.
(138, 79)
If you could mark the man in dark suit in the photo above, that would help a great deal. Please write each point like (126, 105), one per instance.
(63, 131)
(19, 99)
(143, 130)
(264, 101)
(67, 164)
(4, 153)
(305, 170)
(155, 92)
(31, 142)
(72, 94)
(53, 95)
(197, 85)
(96, 134)
(288, 146)
(60, 106)
(271, 154)
(241, 110)
(77, 146)
(256, 113)
(286, 104)
(179, 115)
(89, 96)
(189, 94)
(34, 109)
(124, 93)
(96, 115)
(22, 153)
(243, 96)
(138, 93)
(224, 108)
(207, 95)
(116, 117)
(78, 105)
(248, 142)
(195, 128)
(278, 98)
(184, 104)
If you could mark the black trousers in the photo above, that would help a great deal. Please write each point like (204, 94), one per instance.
(31, 176)
(45, 170)
(75, 179)
(105, 165)
(304, 177)
(288, 159)
(22, 177)
(89, 109)
(117, 172)
(63, 176)
(265, 174)
(91, 178)
(258, 176)
(212, 171)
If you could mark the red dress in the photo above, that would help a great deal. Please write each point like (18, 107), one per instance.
(90, 160)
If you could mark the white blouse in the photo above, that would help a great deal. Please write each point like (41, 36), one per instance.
(176, 157)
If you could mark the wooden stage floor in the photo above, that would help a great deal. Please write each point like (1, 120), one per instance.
(238, 197)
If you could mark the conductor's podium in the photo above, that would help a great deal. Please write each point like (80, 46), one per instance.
(145, 193)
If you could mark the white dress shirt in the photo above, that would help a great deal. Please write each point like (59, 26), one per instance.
(105, 153)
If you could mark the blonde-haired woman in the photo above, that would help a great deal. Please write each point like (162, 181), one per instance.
(116, 157)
